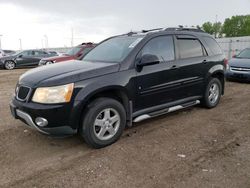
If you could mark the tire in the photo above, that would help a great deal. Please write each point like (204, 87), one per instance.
(9, 65)
(212, 94)
(103, 122)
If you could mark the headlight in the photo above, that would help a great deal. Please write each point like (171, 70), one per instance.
(51, 95)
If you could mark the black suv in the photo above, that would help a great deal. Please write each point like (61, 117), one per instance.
(126, 78)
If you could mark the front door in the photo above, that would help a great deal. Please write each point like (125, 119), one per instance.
(156, 84)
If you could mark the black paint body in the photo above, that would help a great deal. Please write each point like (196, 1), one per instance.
(140, 90)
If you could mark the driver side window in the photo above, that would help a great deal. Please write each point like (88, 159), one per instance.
(162, 47)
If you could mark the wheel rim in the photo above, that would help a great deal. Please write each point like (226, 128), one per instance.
(214, 92)
(107, 124)
(9, 65)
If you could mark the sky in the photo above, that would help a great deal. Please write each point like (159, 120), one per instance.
(34, 22)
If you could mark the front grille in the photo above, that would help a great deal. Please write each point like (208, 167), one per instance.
(241, 69)
(22, 93)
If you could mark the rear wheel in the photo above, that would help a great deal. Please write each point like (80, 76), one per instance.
(103, 122)
(213, 93)
(9, 65)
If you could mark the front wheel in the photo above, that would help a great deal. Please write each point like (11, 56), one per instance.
(213, 93)
(103, 122)
(9, 65)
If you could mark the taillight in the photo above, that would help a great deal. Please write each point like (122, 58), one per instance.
(226, 63)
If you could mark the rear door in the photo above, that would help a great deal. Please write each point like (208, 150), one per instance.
(156, 83)
(24, 59)
(36, 57)
(191, 65)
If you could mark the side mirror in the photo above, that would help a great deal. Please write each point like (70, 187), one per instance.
(20, 56)
(234, 56)
(148, 59)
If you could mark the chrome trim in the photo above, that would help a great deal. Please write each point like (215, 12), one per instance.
(239, 69)
(29, 120)
(28, 95)
(168, 110)
(141, 118)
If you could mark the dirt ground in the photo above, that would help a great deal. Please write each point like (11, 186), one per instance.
(191, 148)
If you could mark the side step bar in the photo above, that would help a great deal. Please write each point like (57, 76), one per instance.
(165, 111)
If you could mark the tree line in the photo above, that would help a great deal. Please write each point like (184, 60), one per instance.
(236, 26)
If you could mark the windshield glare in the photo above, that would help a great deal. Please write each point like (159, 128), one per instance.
(244, 54)
(113, 50)
(73, 51)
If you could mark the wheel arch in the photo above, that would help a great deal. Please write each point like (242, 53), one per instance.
(115, 92)
(218, 72)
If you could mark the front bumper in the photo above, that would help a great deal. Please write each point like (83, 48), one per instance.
(42, 62)
(58, 117)
(238, 75)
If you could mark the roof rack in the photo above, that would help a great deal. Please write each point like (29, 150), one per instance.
(146, 31)
(181, 28)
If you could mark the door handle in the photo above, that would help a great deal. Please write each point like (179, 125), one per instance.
(174, 67)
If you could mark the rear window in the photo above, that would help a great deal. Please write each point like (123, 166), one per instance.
(213, 45)
(190, 48)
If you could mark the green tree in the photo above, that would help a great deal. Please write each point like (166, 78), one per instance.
(213, 28)
(208, 27)
(217, 27)
(237, 26)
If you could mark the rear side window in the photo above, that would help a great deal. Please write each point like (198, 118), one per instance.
(162, 47)
(213, 45)
(190, 48)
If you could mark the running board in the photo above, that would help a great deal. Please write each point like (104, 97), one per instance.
(165, 111)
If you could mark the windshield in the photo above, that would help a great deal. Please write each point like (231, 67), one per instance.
(113, 50)
(244, 54)
(73, 51)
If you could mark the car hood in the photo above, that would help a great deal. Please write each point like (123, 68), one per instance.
(238, 62)
(58, 58)
(66, 72)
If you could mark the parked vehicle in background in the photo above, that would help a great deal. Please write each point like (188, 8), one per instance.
(23, 59)
(125, 79)
(9, 52)
(54, 53)
(77, 52)
(2, 53)
(239, 67)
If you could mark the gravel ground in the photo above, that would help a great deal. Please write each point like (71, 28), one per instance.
(195, 147)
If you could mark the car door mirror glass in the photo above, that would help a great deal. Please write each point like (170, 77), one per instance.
(148, 59)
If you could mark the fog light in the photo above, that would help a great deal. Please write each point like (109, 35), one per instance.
(41, 122)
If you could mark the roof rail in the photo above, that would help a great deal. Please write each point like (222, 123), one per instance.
(146, 31)
(184, 29)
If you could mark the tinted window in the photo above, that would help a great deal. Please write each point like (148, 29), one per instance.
(213, 45)
(39, 53)
(27, 53)
(190, 48)
(163, 47)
